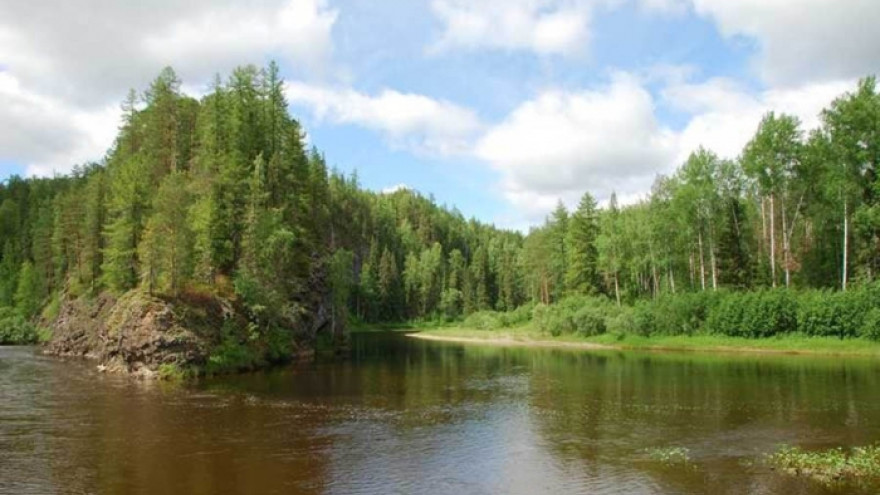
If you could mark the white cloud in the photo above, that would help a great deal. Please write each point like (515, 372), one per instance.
(67, 65)
(725, 116)
(395, 188)
(48, 135)
(803, 40)
(296, 30)
(542, 26)
(561, 144)
(413, 121)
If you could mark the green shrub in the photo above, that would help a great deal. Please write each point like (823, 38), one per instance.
(589, 322)
(580, 315)
(621, 323)
(726, 318)
(518, 316)
(52, 308)
(764, 313)
(643, 319)
(232, 356)
(871, 325)
(171, 372)
(832, 314)
(15, 330)
(483, 320)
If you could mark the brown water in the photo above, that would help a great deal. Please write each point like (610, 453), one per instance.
(410, 416)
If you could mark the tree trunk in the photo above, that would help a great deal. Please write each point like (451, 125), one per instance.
(702, 262)
(763, 224)
(714, 266)
(616, 289)
(691, 267)
(785, 245)
(772, 240)
(845, 244)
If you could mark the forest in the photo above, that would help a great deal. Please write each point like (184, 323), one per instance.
(222, 197)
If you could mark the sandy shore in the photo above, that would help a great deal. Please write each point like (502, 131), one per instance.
(506, 341)
(510, 342)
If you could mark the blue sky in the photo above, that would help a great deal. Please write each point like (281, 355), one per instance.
(498, 107)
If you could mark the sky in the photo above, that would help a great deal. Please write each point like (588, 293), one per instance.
(500, 108)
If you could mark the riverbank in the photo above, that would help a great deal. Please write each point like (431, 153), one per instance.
(531, 337)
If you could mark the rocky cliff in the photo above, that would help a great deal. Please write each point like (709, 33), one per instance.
(137, 333)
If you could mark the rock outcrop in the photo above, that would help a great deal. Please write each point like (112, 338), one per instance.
(136, 333)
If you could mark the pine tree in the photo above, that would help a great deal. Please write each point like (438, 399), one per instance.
(582, 274)
(28, 294)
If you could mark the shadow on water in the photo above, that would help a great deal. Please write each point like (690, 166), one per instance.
(411, 416)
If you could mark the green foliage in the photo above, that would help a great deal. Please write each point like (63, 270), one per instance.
(757, 314)
(28, 295)
(51, 310)
(201, 193)
(871, 325)
(581, 315)
(588, 322)
(832, 466)
(483, 320)
(451, 304)
(170, 372)
(833, 314)
(16, 330)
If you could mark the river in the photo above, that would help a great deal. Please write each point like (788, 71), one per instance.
(409, 416)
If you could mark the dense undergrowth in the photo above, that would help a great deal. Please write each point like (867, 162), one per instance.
(758, 314)
(15, 329)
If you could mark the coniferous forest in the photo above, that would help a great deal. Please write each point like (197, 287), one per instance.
(222, 198)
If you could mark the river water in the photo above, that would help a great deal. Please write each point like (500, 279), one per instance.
(409, 416)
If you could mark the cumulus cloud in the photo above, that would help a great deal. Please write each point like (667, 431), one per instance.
(725, 116)
(395, 188)
(408, 120)
(803, 40)
(542, 26)
(561, 144)
(67, 65)
(49, 135)
(296, 30)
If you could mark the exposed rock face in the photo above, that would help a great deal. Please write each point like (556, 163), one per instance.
(135, 333)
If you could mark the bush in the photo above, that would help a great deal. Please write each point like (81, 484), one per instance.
(589, 322)
(518, 316)
(483, 320)
(727, 316)
(580, 315)
(15, 330)
(833, 314)
(644, 322)
(758, 314)
(871, 326)
(621, 323)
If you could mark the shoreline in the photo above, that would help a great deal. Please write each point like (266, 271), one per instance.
(752, 346)
(507, 341)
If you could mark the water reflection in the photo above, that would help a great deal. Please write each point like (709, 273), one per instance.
(409, 416)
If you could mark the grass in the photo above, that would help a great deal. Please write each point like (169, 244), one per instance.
(795, 344)
(170, 372)
(860, 464)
